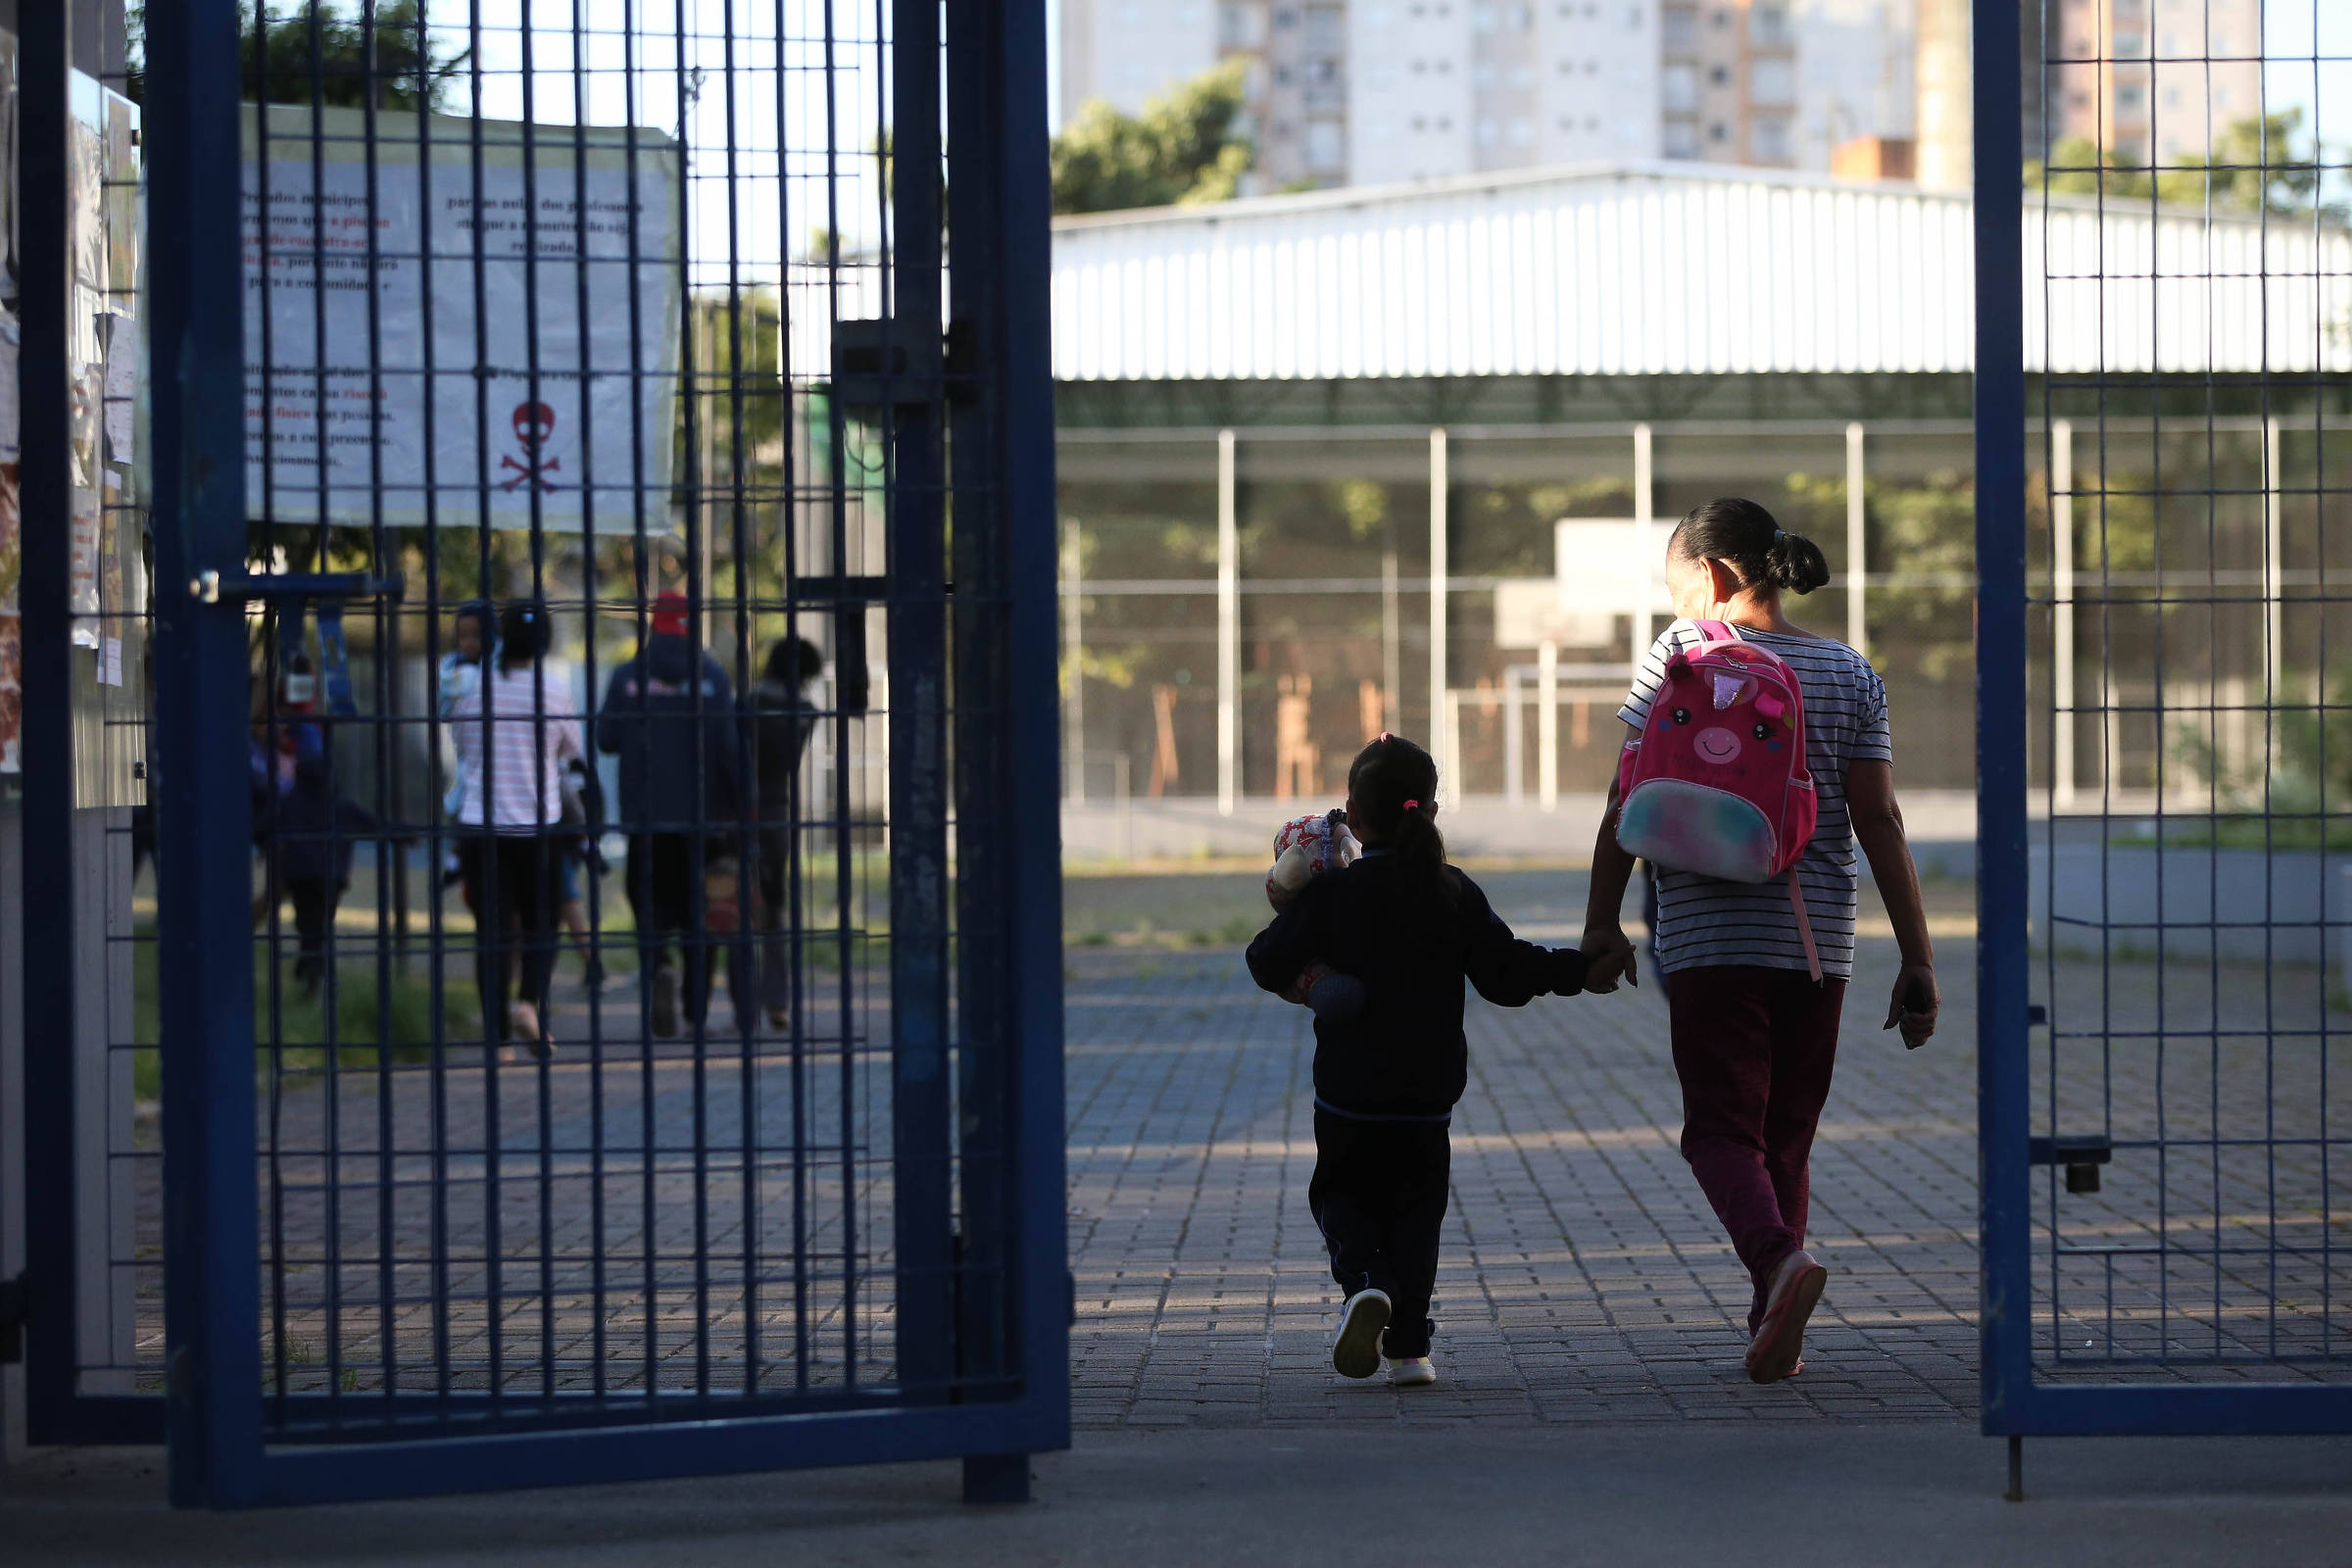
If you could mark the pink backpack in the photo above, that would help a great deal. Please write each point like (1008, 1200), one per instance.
(1716, 783)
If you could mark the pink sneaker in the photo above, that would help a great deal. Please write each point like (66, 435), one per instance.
(1778, 1347)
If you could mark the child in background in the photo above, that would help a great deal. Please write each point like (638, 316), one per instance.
(472, 638)
(1411, 929)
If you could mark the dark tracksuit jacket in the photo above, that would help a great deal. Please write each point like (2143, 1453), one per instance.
(1404, 1055)
(1387, 1077)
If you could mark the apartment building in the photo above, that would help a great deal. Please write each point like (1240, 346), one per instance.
(1782, 83)
(2152, 78)
(1372, 91)
(1375, 91)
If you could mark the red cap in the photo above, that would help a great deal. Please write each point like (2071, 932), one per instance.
(670, 615)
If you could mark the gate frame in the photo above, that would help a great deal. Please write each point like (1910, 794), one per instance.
(218, 1452)
(2014, 1406)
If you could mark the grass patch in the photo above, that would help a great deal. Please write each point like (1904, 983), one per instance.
(366, 1021)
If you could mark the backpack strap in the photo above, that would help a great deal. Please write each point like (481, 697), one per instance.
(1805, 926)
(1718, 632)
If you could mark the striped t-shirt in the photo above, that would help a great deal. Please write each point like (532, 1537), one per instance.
(527, 715)
(1705, 920)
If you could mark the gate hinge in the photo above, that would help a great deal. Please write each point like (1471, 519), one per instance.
(2082, 1155)
(13, 1307)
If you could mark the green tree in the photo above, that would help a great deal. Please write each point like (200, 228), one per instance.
(303, 53)
(2253, 165)
(1183, 148)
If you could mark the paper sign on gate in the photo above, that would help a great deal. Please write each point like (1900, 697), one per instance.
(531, 408)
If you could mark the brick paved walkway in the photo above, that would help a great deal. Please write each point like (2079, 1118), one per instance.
(1583, 1277)
(624, 1238)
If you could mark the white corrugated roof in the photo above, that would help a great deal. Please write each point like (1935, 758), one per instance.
(1661, 269)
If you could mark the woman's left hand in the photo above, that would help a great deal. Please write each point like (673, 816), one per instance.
(1916, 982)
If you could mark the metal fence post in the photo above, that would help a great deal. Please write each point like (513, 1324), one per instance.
(211, 1308)
(2001, 967)
(45, 497)
(1229, 629)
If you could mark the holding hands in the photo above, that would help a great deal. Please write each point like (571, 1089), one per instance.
(1609, 958)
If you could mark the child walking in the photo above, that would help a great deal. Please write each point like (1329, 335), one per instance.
(1754, 1032)
(1412, 929)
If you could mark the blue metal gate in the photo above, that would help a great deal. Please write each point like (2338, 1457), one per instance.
(2167, 1116)
(557, 420)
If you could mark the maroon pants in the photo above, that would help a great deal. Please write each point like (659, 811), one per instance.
(1754, 1048)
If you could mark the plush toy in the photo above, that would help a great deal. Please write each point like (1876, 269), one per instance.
(1305, 848)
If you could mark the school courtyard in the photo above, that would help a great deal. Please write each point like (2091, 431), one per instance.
(1591, 1405)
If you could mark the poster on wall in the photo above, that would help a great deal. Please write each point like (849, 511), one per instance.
(358, 415)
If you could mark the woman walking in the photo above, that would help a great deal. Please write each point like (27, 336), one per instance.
(513, 733)
(1754, 1034)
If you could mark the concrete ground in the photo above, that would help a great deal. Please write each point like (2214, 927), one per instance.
(1918, 1496)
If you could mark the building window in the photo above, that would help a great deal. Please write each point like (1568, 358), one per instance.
(1771, 141)
(1325, 146)
(1523, 134)
(1326, 29)
(1768, 24)
(1679, 30)
(1488, 133)
(1681, 139)
(1772, 81)
(2128, 96)
(1677, 90)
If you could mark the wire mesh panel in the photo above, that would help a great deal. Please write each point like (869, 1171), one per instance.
(593, 580)
(2169, 1182)
(74, 712)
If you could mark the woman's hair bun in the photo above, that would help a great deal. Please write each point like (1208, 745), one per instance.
(1794, 563)
(1736, 530)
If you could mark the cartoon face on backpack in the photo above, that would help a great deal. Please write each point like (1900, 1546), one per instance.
(1721, 721)
(1716, 782)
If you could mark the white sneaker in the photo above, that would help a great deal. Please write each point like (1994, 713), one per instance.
(1411, 1372)
(1356, 1349)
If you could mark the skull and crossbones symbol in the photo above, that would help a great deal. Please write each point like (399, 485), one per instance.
(534, 426)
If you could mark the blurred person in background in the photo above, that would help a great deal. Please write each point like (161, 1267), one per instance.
(670, 715)
(513, 732)
(781, 718)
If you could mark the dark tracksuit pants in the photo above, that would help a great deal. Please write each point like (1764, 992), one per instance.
(510, 885)
(314, 899)
(1754, 1048)
(1379, 1197)
(664, 891)
(775, 956)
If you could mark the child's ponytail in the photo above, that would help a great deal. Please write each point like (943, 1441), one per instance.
(1394, 785)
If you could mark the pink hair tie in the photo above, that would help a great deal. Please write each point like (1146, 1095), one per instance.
(1412, 806)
